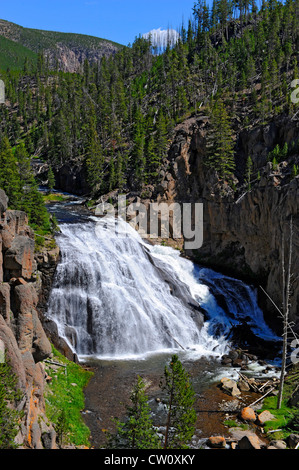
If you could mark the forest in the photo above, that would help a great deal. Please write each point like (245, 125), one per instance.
(234, 62)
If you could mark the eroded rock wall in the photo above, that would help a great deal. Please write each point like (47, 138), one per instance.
(244, 229)
(21, 330)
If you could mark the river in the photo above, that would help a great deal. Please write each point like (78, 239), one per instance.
(125, 306)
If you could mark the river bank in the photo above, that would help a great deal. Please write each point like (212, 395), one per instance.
(108, 394)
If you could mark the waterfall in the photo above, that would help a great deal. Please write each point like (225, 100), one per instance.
(115, 295)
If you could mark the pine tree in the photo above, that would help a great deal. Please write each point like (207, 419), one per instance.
(10, 180)
(220, 143)
(137, 432)
(9, 397)
(181, 416)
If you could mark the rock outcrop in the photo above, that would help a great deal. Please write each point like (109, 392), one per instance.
(21, 330)
(244, 227)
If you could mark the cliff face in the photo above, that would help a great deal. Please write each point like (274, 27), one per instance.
(244, 230)
(67, 50)
(21, 331)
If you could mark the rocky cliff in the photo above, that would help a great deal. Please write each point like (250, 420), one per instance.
(67, 51)
(244, 227)
(21, 330)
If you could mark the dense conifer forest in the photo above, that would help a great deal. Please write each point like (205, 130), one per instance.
(234, 62)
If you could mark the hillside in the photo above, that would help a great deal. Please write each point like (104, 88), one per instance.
(13, 55)
(67, 51)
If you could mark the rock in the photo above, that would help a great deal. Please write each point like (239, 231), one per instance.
(19, 258)
(248, 414)
(230, 386)
(49, 440)
(3, 202)
(5, 302)
(293, 440)
(216, 442)
(249, 442)
(238, 362)
(264, 417)
(226, 360)
(243, 386)
(279, 444)
(294, 400)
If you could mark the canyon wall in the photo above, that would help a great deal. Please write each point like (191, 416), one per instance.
(21, 331)
(243, 229)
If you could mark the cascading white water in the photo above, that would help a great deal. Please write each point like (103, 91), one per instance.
(114, 295)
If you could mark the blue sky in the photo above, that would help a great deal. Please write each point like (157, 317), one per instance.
(118, 20)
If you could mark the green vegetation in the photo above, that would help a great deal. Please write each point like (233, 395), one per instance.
(137, 432)
(181, 415)
(10, 396)
(17, 180)
(286, 418)
(65, 400)
(36, 40)
(13, 55)
(115, 120)
(234, 424)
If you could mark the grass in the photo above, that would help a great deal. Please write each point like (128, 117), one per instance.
(53, 198)
(286, 418)
(231, 423)
(65, 400)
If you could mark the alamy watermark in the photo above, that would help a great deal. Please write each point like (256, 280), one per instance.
(177, 221)
(295, 353)
(295, 93)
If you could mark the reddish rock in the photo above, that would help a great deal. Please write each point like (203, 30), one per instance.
(248, 414)
(19, 258)
(217, 442)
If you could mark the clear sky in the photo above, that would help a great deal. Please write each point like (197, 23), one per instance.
(118, 20)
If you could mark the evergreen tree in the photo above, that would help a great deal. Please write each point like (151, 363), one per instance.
(181, 415)
(9, 397)
(137, 432)
(10, 180)
(51, 179)
(220, 144)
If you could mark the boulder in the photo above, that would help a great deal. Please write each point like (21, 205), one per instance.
(248, 414)
(265, 416)
(49, 439)
(216, 442)
(243, 386)
(293, 440)
(279, 444)
(294, 400)
(19, 258)
(249, 442)
(230, 386)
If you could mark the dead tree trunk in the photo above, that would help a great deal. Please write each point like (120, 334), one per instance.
(286, 279)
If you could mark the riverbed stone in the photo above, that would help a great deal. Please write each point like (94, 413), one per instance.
(230, 386)
(248, 414)
(216, 442)
(265, 416)
(249, 442)
(293, 440)
(278, 444)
